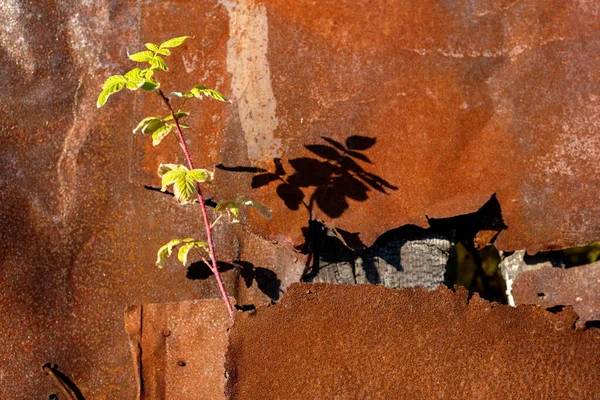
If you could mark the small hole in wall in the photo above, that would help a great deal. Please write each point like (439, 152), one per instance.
(181, 364)
(592, 324)
(541, 295)
(53, 397)
(556, 309)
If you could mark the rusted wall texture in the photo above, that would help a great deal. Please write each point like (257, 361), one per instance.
(372, 342)
(366, 115)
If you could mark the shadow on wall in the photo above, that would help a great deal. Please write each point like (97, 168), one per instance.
(266, 280)
(334, 176)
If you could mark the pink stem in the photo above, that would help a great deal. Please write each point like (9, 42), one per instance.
(209, 239)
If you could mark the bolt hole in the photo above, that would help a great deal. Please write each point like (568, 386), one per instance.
(181, 363)
(541, 295)
(53, 397)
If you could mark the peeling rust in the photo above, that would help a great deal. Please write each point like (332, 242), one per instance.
(578, 287)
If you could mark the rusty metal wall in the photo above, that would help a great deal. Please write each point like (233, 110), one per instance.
(367, 116)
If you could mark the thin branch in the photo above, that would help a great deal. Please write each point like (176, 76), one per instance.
(207, 223)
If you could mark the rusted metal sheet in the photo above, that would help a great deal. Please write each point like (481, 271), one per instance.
(578, 287)
(367, 341)
(366, 116)
(346, 113)
(178, 349)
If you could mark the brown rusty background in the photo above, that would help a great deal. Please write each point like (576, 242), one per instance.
(381, 113)
(359, 342)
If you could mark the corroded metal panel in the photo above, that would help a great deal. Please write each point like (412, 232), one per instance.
(367, 116)
(179, 348)
(367, 341)
(578, 287)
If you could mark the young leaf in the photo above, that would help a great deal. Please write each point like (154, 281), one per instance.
(183, 181)
(112, 85)
(198, 91)
(171, 173)
(200, 175)
(178, 115)
(159, 134)
(142, 56)
(147, 73)
(113, 81)
(185, 249)
(174, 42)
(166, 250)
(180, 94)
(149, 125)
(158, 50)
(158, 62)
(134, 79)
(231, 208)
(150, 86)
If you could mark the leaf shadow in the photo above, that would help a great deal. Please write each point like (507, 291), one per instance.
(266, 280)
(336, 174)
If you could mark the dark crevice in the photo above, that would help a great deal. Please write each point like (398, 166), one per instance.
(412, 256)
(556, 309)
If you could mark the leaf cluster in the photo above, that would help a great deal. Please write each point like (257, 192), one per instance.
(139, 78)
(184, 181)
(159, 128)
(187, 244)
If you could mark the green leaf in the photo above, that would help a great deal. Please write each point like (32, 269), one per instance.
(159, 63)
(150, 86)
(178, 115)
(184, 125)
(231, 208)
(200, 175)
(134, 74)
(150, 125)
(180, 94)
(112, 85)
(174, 42)
(158, 50)
(185, 249)
(166, 250)
(170, 174)
(183, 181)
(142, 56)
(134, 79)
(159, 134)
(185, 190)
(198, 91)
(147, 73)
(113, 81)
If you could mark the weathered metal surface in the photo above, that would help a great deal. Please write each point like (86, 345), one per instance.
(367, 341)
(578, 287)
(518, 262)
(464, 100)
(178, 349)
(379, 114)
